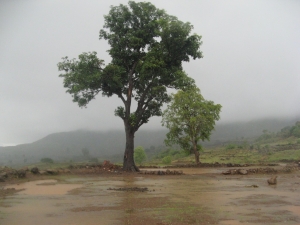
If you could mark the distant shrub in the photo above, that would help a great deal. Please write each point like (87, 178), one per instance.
(230, 146)
(47, 160)
(167, 160)
(296, 131)
(139, 155)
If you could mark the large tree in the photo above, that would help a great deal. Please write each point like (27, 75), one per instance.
(190, 118)
(147, 47)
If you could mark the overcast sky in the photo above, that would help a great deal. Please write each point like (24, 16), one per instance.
(251, 63)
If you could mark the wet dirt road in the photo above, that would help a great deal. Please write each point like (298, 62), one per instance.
(201, 196)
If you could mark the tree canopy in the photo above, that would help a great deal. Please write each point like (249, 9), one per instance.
(190, 118)
(147, 47)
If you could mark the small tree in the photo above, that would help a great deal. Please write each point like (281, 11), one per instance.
(190, 118)
(147, 48)
(139, 155)
(167, 160)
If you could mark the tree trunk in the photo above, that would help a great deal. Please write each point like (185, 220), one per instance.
(128, 161)
(196, 152)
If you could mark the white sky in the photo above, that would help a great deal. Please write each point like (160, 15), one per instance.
(251, 63)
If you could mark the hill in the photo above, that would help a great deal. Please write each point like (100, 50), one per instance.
(66, 146)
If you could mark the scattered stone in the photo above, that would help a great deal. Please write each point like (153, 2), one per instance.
(107, 165)
(138, 189)
(3, 175)
(52, 172)
(272, 180)
(250, 171)
(162, 172)
(34, 170)
(20, 173)
(253, 186)
(42, 172)
(228, 172)
(243, 172)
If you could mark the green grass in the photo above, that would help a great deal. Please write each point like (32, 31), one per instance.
(280, 150)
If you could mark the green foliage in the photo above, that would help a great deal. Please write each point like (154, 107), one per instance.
(167, 160)
(290, 131)
(147, 47)
(296, 130)
(139, 155)
(190, 118)
(230, 146)
(174, 154)
(47, 160)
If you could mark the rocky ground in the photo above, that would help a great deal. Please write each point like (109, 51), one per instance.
(161, 196)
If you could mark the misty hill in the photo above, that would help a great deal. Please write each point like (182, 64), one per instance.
(66, 146)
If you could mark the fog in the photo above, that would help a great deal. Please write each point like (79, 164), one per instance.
(251, 62)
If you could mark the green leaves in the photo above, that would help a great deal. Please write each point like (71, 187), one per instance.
(147, 47)
(190, 118)
(139, 155)
(82, 77)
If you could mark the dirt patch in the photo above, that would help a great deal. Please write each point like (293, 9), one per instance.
(201, 196)
(43, 187)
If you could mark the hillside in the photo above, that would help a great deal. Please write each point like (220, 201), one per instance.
(66, 146)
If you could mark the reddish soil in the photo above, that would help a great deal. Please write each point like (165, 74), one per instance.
(200, 196)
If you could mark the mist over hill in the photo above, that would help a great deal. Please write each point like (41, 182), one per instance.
(66, 146)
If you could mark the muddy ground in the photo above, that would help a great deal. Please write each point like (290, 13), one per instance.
(200, 196)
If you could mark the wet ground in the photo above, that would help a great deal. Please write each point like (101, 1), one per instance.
(201, 196)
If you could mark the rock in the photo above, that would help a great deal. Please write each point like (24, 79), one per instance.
(3, 175)
(243, 172)
(52, 172)
(232, 172)
(228, 172)
(106, 163)
(20, 173)
(272, 180)
(34, 170)
(42, 172)
(253, 185)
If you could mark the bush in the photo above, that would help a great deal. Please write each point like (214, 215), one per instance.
(139, 155)
(167, 160)
(47, 160)
(230, 146)
(296, 131)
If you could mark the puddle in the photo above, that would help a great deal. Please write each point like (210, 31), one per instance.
(198, 197)
(44, 187)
